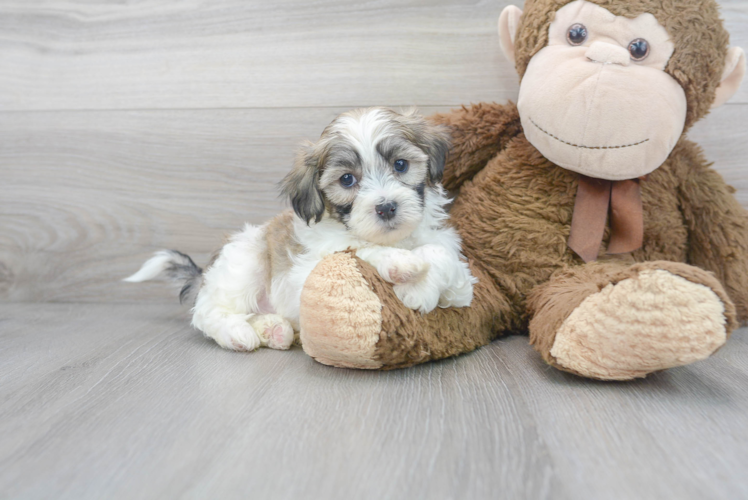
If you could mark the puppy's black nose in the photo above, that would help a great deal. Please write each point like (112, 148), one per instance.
(386, 211)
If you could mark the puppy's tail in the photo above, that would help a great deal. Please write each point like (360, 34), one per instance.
(174, 266)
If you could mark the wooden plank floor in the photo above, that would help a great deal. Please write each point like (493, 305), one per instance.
(126, 401)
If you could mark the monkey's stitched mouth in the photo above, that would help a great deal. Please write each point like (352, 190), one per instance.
(582, 146)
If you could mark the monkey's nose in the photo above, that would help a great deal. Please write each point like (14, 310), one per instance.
(386, 211)
(608, 53)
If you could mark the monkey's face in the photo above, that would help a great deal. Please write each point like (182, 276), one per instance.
(596, 100)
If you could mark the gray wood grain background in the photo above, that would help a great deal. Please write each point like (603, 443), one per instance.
(127, 127)
(131, 127)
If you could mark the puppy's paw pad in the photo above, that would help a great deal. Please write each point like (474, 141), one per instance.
(280, 336)
(274, 331)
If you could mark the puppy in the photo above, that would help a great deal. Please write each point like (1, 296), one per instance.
(371, 183)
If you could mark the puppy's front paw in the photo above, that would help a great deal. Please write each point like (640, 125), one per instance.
(403, 266)
(422, 296)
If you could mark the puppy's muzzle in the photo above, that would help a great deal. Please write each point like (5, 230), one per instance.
(386, 211)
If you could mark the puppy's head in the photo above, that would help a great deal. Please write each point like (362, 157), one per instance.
(370, 171)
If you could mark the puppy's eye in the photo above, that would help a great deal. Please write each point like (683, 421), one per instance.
(347, 180)
(577, 34)
(639, 49)
(401, 166)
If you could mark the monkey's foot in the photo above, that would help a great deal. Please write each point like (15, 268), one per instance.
(653, 320)
(341, 317)
(351, 317)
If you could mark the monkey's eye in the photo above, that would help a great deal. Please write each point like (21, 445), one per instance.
(577, 34)
(401, 166)
(639, 49)
(347, 180)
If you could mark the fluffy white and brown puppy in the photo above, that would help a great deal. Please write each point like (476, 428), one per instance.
(371, 183)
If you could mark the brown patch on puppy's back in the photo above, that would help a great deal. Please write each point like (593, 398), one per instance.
(281, 243)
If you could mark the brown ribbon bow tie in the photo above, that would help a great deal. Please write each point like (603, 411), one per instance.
(594, 197)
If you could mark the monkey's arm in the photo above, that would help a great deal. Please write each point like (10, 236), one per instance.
(717, 224)
(479, 132)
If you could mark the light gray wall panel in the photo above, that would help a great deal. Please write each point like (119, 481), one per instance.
(235, 53)
(87, 196)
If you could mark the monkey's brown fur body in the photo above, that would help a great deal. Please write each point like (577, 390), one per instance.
(514, 209)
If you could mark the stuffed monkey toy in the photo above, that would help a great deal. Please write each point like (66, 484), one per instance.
(588, 217)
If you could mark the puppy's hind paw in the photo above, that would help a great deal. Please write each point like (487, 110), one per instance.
(274, 330)
(237, 336)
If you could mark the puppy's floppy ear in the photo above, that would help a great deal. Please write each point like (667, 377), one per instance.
(301, 185)
(437, 147)
(433, 139)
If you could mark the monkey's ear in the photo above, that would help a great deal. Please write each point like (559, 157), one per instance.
(731, 77)
(301, 185)
(508, 23)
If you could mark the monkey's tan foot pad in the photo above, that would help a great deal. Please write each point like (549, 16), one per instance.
(341, 317)
(650, 322)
